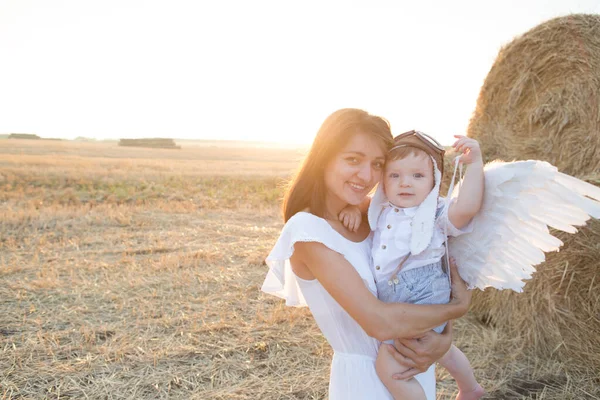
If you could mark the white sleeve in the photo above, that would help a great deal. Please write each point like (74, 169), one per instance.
(443, 220)
(281, 281)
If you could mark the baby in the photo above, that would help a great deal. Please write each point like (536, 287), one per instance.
(411, 224)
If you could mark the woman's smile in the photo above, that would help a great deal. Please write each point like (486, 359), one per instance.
(357, 187)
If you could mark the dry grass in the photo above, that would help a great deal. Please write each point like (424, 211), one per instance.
(129, 273)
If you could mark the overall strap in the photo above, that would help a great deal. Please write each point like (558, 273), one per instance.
(393, 281)
(400, 265)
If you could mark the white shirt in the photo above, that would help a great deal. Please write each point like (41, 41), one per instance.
(391, 240)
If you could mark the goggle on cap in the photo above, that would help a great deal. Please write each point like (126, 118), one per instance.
(421, 141)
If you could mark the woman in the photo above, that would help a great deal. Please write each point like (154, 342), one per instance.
(319, 263)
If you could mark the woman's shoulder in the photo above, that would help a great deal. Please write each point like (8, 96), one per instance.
(304, 216)
(304, 224)
(281, 281)
(306, 227)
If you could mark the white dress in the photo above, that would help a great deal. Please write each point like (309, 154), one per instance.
(353, 373)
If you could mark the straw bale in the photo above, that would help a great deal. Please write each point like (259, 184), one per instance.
(540, 101)
(541, 97)
(29, 136)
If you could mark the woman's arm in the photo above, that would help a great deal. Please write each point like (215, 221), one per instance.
(380, 320)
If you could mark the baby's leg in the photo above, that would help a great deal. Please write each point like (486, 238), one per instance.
(386, 366)
(458, 366)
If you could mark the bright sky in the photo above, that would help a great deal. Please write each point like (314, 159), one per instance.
(253, 70)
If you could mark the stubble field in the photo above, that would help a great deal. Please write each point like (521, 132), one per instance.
(129, 273)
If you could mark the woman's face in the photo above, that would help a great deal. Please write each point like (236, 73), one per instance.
(354, 171)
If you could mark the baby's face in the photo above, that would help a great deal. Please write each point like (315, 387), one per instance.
(408, 181)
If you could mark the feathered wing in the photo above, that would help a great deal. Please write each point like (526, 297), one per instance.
(510, 233)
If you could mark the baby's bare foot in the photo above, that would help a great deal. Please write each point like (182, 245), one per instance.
(474, 394)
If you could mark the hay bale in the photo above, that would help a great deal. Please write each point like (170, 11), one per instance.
(541, 97)
(28, 136)
(540, 101)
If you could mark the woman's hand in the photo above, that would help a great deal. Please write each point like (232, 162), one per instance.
(461, 296)
(418, 354)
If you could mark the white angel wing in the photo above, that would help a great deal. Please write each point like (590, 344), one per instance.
(510, 232)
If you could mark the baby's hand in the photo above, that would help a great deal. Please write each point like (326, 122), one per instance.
(351, 217)
(471, 153)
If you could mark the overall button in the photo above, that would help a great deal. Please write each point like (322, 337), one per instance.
(396, 210)
(383, 246)
(378, 268)
(389, 227)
